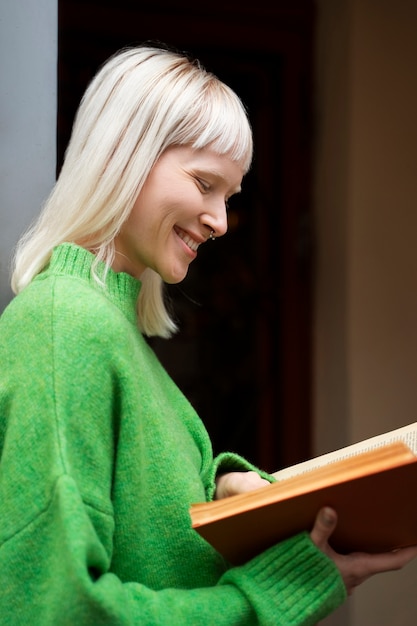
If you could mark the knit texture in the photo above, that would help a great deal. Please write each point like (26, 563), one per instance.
(101, 457)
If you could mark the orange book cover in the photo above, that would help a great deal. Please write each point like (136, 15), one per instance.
(371, 485)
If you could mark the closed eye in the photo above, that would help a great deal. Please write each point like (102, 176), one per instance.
(204, 186)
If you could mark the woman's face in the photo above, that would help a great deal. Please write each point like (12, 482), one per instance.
(184, 198)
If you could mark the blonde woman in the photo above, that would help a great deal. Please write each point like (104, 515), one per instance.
(101, 454)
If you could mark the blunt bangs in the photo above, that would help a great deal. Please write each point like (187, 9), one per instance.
(217, 119)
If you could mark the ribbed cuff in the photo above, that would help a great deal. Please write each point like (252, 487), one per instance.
(292, 583)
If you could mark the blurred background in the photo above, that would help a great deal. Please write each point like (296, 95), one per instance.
(298, 329)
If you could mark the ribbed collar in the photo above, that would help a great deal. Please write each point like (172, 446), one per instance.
(120, 288)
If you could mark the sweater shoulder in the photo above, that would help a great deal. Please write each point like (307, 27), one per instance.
(63, 303)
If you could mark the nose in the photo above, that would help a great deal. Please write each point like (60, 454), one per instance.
(216, 218)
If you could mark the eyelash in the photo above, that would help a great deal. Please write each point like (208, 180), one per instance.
(205, 187)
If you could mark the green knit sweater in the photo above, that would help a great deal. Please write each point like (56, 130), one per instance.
(100, 458)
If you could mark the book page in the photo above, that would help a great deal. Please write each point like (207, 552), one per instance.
(406, 434)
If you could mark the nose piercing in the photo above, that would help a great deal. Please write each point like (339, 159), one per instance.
(211, 235)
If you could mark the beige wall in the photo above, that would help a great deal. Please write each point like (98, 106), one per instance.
(366, 275)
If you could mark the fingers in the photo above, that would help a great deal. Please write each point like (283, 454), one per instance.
(406, 555)
(234, 483)
(250, 481)
(324, 525)
(356, 567)
(390, 561)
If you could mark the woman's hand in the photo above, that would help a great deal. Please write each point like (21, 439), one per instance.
(237, 482)
(356, 567)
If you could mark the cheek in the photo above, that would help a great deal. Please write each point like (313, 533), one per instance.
(138, 215)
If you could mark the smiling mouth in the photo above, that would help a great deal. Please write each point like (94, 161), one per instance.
(191, 243)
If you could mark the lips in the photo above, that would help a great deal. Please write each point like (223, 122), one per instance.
(187, 239)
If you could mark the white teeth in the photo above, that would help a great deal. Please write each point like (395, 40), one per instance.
(189, 241)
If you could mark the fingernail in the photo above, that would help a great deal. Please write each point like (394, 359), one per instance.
(328, 516)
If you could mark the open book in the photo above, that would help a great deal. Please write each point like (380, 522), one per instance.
(372, 485)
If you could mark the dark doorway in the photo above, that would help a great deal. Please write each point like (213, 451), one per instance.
(243, 354)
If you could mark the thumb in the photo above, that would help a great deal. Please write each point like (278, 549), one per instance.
(324, 525)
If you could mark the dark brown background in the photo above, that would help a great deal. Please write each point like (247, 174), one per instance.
(243, 356)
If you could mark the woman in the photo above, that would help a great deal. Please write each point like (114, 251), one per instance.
(101, 455)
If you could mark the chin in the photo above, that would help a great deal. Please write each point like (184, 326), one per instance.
(173, 274)
(174, 279)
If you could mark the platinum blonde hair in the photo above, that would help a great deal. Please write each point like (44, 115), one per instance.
(142, 101)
